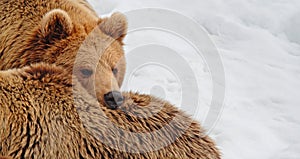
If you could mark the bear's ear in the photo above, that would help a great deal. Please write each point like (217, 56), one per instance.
(115, 26)
(56, 25)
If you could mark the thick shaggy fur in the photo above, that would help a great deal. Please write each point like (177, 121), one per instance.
(44, 115)
(67, 33)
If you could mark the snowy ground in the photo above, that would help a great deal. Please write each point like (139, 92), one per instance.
(259, 43)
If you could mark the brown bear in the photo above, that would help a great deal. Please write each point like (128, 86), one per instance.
(45, 115)
(67, 33)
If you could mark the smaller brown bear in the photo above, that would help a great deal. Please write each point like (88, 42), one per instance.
(44, 115)
(67, 33)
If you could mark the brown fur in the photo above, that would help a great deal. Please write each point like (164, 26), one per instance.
(44, 115)
(54, 31)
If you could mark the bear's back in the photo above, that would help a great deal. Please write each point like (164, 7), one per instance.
(43, 115)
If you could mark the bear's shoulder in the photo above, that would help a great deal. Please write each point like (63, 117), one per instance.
(40, 73)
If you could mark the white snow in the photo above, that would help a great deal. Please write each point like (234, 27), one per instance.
(259, 42)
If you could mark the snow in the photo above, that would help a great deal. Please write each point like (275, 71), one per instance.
(259, 43)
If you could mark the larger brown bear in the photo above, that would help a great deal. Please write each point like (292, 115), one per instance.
(67, 33)
(45, 115)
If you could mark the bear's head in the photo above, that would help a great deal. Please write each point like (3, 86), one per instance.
(91, 48)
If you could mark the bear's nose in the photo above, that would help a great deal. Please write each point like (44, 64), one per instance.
(113, 99)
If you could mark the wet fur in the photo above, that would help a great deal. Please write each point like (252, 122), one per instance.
(44, 115)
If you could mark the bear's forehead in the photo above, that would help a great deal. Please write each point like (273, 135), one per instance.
(97, 43)
(99, 48)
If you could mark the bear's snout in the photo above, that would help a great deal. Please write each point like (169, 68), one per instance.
(113, 99)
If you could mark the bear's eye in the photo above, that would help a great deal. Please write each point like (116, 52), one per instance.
(86, 72)
(115, 71)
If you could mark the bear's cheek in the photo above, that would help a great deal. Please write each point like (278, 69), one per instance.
(121, 74)
(88, 85)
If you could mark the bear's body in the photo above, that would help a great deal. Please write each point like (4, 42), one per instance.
(44, 115)
(67, 33)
